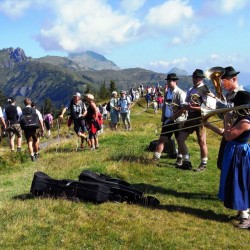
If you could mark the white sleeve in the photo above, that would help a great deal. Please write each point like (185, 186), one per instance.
(19, 112)
(4, 115)
(1, 112)
(39, 114)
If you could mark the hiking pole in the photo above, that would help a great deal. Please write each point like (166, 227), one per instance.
(58, 134)
(77, 144)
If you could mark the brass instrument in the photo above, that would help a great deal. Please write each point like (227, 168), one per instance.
(206, 114)
(214, 74)
(196, 99)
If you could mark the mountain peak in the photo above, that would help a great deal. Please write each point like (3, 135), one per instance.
(10, 56)
(93, 60)
(178, 72)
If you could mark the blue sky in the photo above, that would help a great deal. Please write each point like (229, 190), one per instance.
(152, 34)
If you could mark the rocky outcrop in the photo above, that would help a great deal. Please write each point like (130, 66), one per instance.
(10, 56)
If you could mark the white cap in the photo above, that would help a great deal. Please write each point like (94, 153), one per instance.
(77, 94)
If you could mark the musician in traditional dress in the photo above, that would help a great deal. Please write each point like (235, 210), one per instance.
(171, 113)
(229, 82)
(196, 96)
(234, 188)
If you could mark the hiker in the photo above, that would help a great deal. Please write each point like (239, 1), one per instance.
(104, 111)
(124, 105)
(92, 121)
(171, 112)
(39, 133)
(2, 120)
(114, 111)
(12, 115)
(159, 100)
(234, 188)
(196, 96)
(78, 111)
(155, 106)
(141, 91)
(48, 122)
(148, 99)
(31, 131)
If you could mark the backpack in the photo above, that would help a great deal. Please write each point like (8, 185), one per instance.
(108, 108)
(76, 110)
(29, 118)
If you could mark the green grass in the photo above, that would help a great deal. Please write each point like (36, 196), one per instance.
(189, 216)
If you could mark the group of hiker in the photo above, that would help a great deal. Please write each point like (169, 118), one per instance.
(28, 119)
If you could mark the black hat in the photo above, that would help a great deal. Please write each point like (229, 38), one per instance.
(171, 77)
(11, 100)
(241, 98)
(198, 73)
(229, 72)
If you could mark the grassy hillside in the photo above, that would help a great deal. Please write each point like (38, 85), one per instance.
(40, 81)
(189, 216)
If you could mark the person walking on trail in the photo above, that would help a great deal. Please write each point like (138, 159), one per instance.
(12, 115)
(171, 113)
(48, 122)
(92, 121)
(124, 104)
(2, 119)
(78, 111)
(30, 120)
(114, 111)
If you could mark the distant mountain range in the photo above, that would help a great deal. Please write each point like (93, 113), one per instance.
(58, 77)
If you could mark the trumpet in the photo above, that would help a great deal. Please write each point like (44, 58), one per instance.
(206, 114)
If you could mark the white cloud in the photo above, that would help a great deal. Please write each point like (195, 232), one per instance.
(224, 6)
(165, 66)
(132, 6)
(169, 14)
(17, 8)
(14, 8)
(228, 6)
(87, 25)
(188, 35)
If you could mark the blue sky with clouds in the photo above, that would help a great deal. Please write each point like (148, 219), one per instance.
(152, 34)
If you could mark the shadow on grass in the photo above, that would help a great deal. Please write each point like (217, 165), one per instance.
(23, 197)
(200, 213)
(130, 158)
(154, 189)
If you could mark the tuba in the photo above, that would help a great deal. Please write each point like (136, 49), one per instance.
(214, 74)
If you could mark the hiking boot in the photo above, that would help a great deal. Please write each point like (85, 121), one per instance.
(244, 224)
(18, 149)
(33, 158)
(97, 146)
(179, 161)
(186, 165)
(36, 155)
(202, 167)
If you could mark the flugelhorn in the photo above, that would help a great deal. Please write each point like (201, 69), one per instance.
(214, 74)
